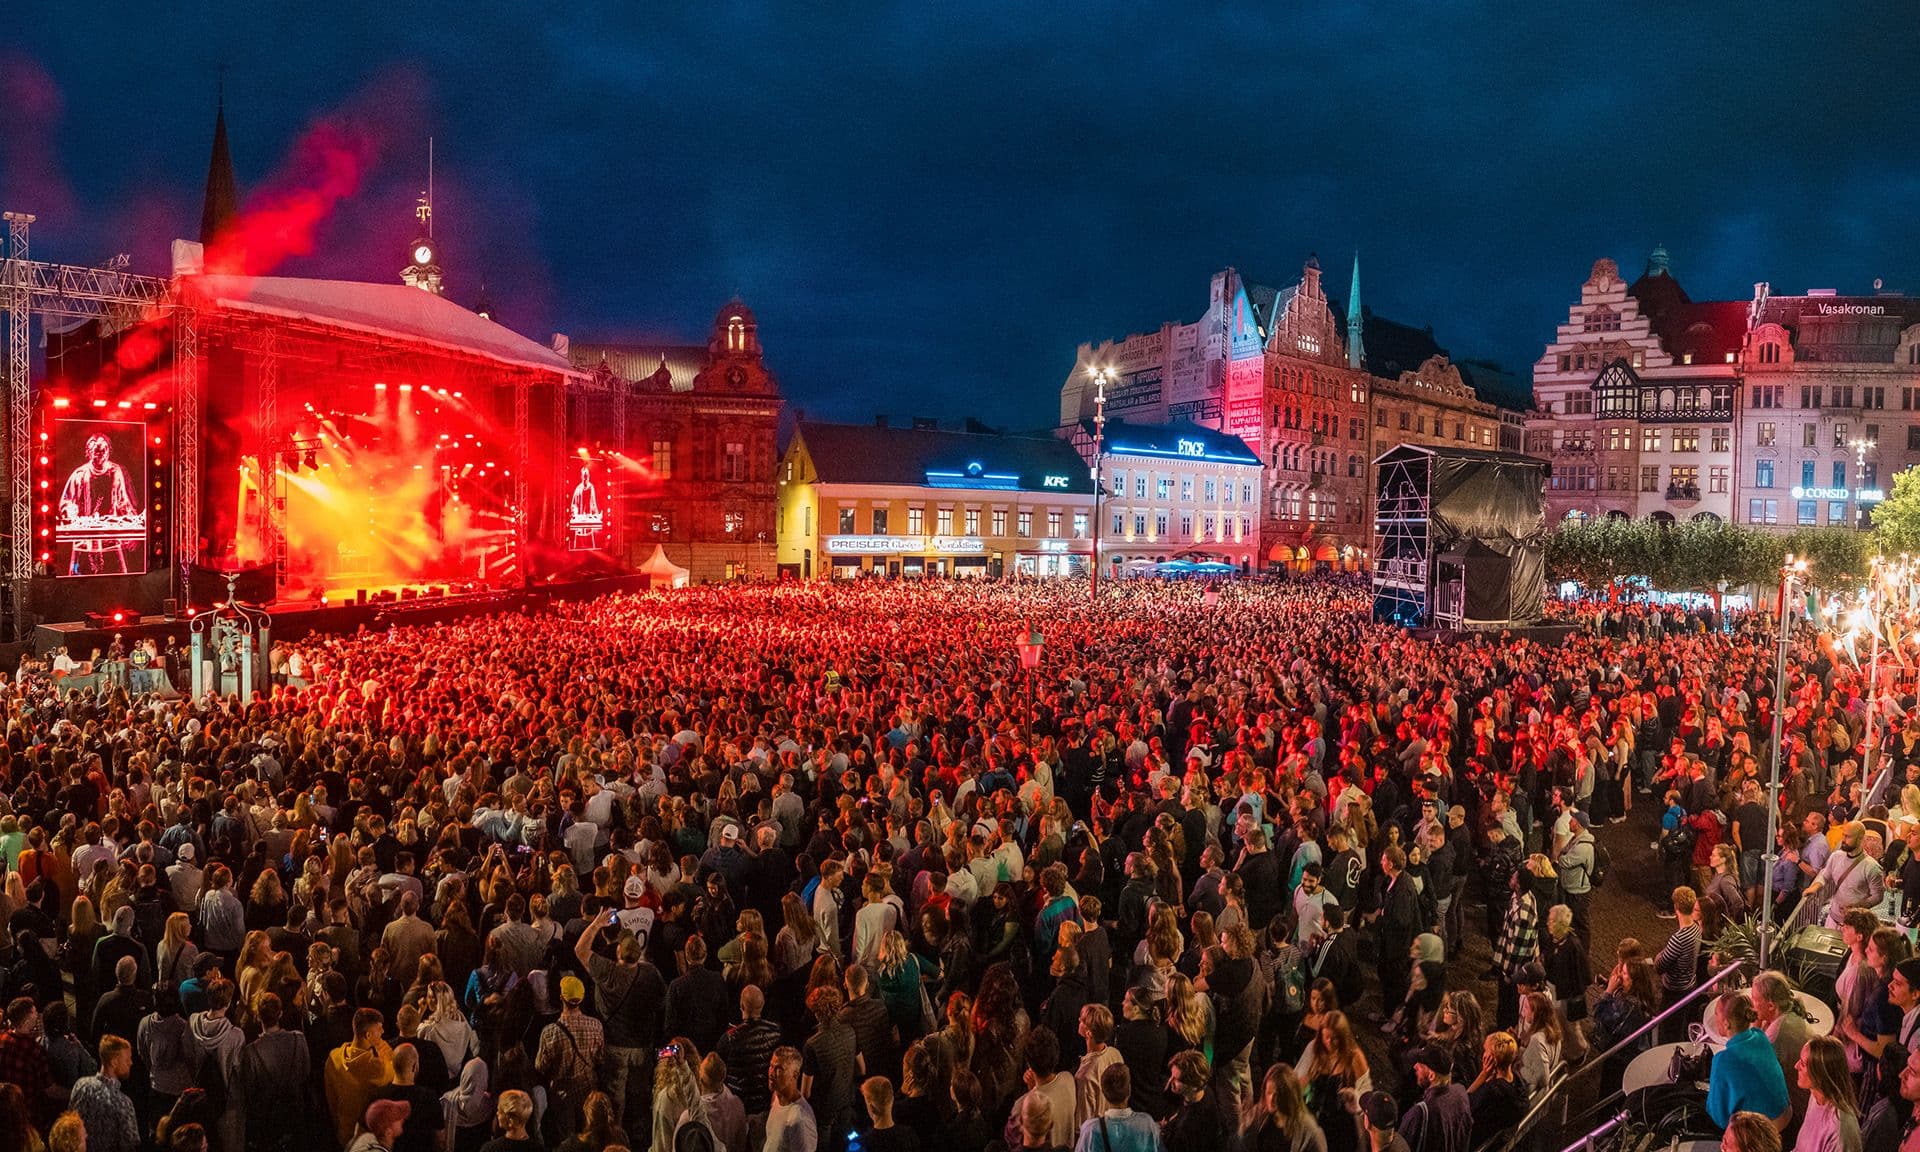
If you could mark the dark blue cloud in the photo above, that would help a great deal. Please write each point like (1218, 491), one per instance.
(929, 206)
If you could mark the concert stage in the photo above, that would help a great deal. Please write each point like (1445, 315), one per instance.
(297, 619)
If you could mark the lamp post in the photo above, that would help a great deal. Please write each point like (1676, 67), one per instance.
(1100, 378)
(1861, 445)
(1791, 571)
(1029, 646)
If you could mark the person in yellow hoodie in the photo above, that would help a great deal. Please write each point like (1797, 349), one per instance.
(355, 1070)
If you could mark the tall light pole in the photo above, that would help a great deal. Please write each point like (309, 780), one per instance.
(1861, 445)
(1100, 378)
(1793, 570)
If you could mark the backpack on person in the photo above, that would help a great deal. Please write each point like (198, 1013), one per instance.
(1602, 864)
(211, 1078)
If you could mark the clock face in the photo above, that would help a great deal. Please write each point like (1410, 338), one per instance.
(422, 254)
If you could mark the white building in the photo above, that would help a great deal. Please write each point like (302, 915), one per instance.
(1175, 491)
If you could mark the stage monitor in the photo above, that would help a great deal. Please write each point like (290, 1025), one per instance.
(97, 477)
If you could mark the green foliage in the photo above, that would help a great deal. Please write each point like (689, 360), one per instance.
(1896, 520)
(1698, 555)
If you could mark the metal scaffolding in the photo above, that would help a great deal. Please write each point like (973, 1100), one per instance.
(118, 300)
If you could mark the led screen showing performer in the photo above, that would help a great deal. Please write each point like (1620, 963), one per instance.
(100, 524)
(586, 518)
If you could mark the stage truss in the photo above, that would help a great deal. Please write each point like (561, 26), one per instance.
(119, 300)
(1402, 553)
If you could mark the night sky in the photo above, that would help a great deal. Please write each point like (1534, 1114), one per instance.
(929, 206)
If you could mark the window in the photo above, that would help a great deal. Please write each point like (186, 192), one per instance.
(661, 525)
(1079, 525)
(972, 522)
(1119, 483)
(999, 521)
(1209, 490)
(1809, 436)
(1717, 477)
(846, 522)
(1843, 395)
(1139, 487)
(1023, 524)
(1246, 490)
(1578, 404)
(1618, 477)
(1836, 511)
(1684, 479)
(1649, 478)
(1380, 415)
(1119, 520)
(1186, 525)
(1806, 473)
(1163, 487)
(1806, 511)
(879, 521)
(1874, 396)
(1757, 512)
(1721, 438)
(1053, 525)
(1686, 439)
(915, 518)
(1840, 435)
(1770, 353)
(1406, 421)
(1226, 491)
(789, 471)
(1206, 527)
(1186, 487)
(1869, 475)
(1140, 524)
(1913, 433)
(1810, 396)
(1159, 524)
(733, 521)
(943, 522)
(1650, 440)
(1839, 473)
(1763, 473)
(1766, 434)
(1619, 439)
(733, 461)
(663, 459)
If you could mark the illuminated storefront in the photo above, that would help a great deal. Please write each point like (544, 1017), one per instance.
(910, 503)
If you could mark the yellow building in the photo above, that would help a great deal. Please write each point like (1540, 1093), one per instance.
(861, 499)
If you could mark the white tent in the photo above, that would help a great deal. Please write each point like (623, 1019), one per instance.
(662, 572)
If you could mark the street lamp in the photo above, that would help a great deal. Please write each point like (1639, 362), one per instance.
(1861, 445)
(1029, 645)
(1794, 569)
(1100, 378)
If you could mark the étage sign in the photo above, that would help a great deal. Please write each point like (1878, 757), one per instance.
(1192, 447)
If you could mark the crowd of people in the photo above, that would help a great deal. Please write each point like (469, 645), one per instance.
(798, 867)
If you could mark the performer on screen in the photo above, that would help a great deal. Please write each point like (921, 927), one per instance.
(586, 501)
(97, 488)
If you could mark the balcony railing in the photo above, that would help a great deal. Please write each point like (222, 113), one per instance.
(1683, 492)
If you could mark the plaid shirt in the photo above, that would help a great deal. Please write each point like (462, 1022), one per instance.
(570, 1061)
(1519, 936)
(23, 1062)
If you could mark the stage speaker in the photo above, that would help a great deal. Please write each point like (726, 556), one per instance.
(169, 608)
(360, 597)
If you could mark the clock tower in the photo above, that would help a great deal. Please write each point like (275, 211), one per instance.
(423, 255)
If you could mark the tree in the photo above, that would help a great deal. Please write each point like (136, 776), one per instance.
(1896, 520)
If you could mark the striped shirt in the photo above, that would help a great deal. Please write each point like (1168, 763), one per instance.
(1678, 961)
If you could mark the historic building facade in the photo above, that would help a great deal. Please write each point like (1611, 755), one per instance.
(1298, 378)
(1635, 401)
(1178, 491)
(860, 500)
(1832, 385)
(699, 458)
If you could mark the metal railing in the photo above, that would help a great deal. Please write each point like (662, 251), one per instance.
(1559, 1085)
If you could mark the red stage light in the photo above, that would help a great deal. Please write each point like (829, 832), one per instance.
(380, 384)
(119, 617)
(46, 531)
(406, 387)
(46, 555)
(45, 484)
(43, 435)
(156, 439)
(44, 460)
(99, 403)
(61, 401)
(126, 403)
(149, 405)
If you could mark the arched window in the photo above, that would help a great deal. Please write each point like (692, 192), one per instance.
(1353, 465)
(736, 335)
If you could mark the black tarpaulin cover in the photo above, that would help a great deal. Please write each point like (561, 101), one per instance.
(1489, 509)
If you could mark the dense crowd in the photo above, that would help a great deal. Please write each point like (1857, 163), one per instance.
(799, 868)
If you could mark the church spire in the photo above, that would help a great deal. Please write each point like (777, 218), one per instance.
(1356, 350)
(221, 202)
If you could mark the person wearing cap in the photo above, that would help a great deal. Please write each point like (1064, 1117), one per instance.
(380, 1127)
(1377, 1114)
(569, 1055)
(1442, 1119)
(729, 857)
(1573, 857)
(1746, 1076)
(184, 875)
